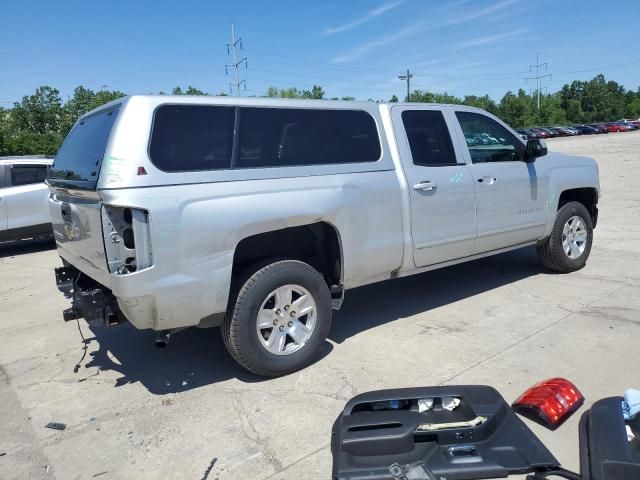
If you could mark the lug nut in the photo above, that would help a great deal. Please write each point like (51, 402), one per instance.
(290, 324)
(278, 311)
(275, 322)
(293, 313)
(286, 308)
(281, 328)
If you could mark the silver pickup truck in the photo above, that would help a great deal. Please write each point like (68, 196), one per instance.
(256, 215)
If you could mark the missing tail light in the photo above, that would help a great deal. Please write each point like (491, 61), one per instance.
(549, 403)
(127, 237)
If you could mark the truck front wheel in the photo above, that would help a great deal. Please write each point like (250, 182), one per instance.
(280, 319)
(568, 246)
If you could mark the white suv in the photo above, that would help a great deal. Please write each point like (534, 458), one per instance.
(23, 198)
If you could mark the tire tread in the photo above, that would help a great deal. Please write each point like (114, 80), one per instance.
(231, 326)
(551, 250)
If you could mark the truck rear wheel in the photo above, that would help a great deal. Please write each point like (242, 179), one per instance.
(280, 319)
(568, 246)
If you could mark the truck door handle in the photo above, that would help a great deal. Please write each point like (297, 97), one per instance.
(488, 180)
(425, 186)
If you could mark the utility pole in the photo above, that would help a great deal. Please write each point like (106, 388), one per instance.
(538, 77)
(236, 63)
(408, 78)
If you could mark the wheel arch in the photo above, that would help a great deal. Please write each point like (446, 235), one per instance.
(577, 183)
(587, 196)
(318, 243)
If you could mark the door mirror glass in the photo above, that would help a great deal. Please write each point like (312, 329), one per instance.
(535, 149)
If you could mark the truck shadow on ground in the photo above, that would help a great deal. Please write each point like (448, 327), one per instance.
(194, 358)
(373, 305)
(197, 357)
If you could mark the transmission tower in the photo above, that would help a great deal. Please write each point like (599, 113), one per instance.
(232, 49)
(538, 78)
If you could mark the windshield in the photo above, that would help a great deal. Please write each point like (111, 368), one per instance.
(78, 160)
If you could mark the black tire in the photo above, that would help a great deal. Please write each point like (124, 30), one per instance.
(239, 328)
(551, 252)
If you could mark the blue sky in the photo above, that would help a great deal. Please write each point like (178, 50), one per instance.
(352, 48)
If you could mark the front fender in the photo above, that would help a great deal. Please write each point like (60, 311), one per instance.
(567, 173)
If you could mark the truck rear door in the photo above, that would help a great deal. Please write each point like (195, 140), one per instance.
(441, 190)
(74, 204)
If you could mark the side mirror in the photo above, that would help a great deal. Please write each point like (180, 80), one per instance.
(535, 148)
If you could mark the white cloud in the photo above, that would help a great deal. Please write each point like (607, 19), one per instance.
(381, 42)
(451, 5)
(427, 24)
(481, 13)
(489, 39)
(428, 63)
(363, 19)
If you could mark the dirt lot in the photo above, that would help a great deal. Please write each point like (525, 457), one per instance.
(133, 411)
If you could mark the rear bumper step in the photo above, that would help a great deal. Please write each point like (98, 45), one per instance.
(89, 300)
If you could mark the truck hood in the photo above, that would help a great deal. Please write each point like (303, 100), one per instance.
(572, 171)
(558, 159)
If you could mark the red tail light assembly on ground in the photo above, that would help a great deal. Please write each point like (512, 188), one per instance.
(549, 402)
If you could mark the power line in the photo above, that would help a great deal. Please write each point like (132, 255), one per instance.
(326, 65)
(538, 78)
(236, 63)
(607, 67)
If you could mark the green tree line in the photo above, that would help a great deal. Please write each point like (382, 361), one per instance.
(38, 123)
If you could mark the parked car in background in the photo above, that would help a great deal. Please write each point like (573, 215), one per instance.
(600, 128)
(585, 129)
(566, 131)
(548, 131)
(616, 127)
(531, 135)
(556, 132)
(541, 133)
(24, 211)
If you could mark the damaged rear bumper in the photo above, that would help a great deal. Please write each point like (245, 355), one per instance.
(89, 299)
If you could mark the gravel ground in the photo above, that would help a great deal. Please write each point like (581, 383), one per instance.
(188, 412)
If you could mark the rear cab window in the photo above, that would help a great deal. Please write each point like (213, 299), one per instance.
(429, 138)
(188, 137)
(78, 161)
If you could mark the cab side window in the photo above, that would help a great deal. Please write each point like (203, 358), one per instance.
(429, 138)
(283, 137)
(487, 140)
(28, 174)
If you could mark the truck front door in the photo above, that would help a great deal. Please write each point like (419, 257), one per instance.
(511, 194)
(441, 189)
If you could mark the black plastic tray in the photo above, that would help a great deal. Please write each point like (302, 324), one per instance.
(369, 439)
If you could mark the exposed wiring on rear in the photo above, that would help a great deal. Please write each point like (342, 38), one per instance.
(84, 348)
